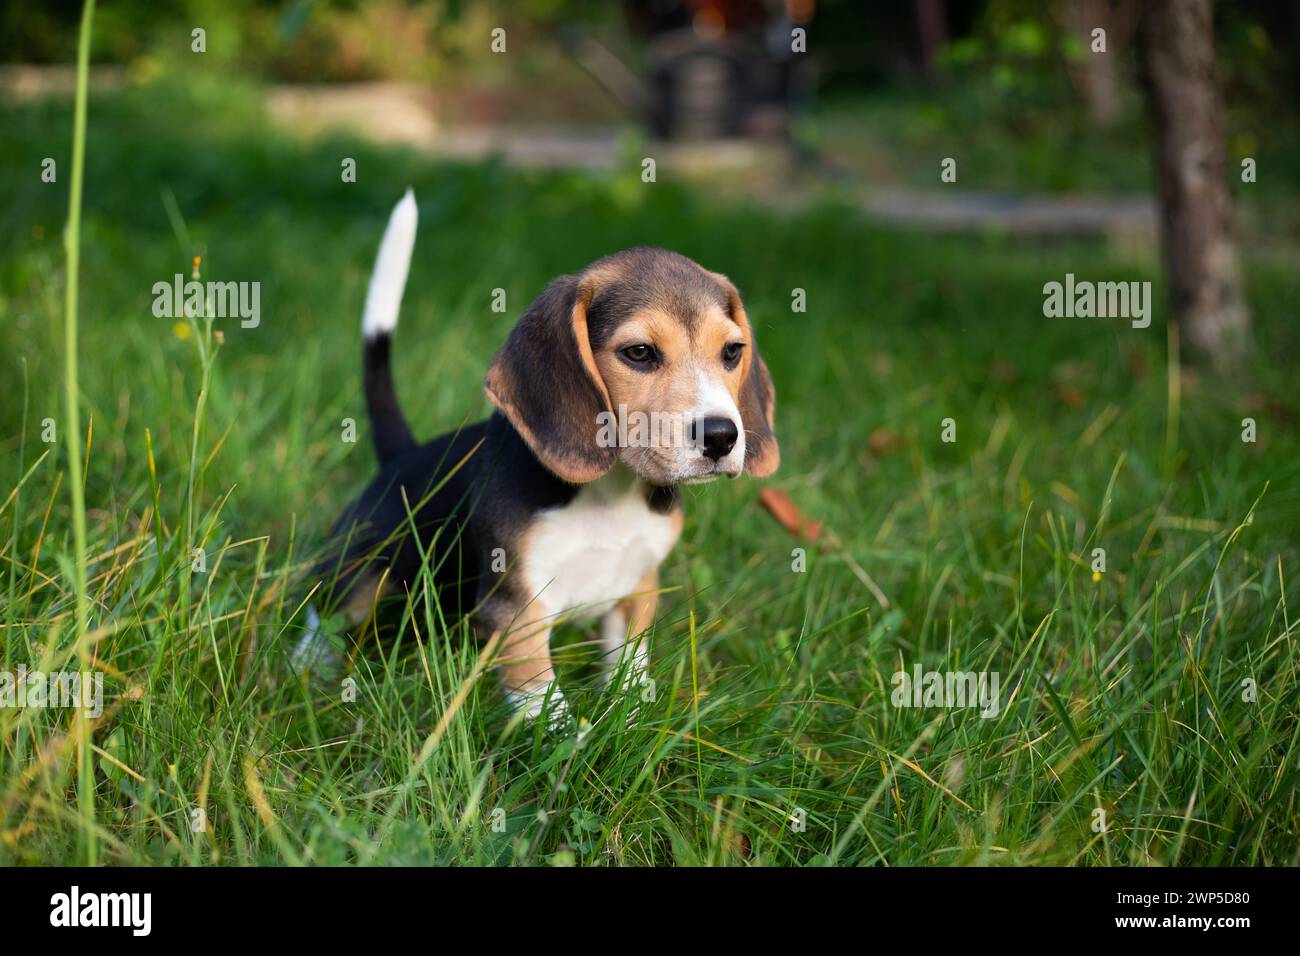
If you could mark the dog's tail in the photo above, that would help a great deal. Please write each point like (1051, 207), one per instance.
(387, 423)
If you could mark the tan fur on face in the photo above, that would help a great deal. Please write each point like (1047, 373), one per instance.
(757, 397)
(561, 381)
(689, 353)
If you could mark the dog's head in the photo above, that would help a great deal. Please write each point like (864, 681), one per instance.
(643, 358)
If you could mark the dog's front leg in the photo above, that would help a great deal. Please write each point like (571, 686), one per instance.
(524, 663)
(625, 625)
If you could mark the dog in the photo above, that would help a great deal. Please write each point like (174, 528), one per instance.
(544, 510)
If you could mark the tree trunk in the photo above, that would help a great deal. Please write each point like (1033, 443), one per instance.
(1195, 210)
(1096, 76)
(1100, 78)
(932, 25)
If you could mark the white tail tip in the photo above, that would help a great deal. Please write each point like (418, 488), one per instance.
(388, 281)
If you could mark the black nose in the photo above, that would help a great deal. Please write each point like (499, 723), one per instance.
(714, 436)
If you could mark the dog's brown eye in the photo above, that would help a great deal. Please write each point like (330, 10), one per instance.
(731, 353)
(639, 354)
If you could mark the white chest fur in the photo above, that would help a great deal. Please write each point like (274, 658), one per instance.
(584, 557)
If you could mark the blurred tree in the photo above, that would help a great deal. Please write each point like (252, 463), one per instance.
(1195, 210)
(1098, 76)
(932, 27)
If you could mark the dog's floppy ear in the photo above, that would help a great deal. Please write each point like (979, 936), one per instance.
(757, 394)
(545, 381)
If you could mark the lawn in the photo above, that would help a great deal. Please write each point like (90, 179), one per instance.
(771, 738)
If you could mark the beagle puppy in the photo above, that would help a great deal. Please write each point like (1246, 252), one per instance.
(618, 384)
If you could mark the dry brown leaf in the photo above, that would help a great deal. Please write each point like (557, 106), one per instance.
(788, 515)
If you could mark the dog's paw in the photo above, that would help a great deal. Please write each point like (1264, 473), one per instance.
(638, 692)
(546, 702)
(315, 653)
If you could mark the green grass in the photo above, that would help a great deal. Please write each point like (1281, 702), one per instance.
(773, 687)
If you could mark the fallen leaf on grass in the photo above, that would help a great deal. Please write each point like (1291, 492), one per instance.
(788, 515)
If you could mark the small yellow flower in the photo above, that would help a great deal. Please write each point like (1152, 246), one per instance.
(182, 330)
(1096, 576)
